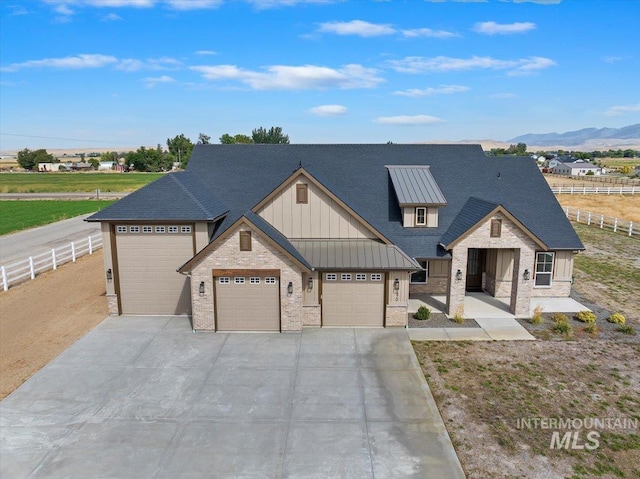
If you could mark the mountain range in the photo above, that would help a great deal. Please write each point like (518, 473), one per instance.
(580, 137)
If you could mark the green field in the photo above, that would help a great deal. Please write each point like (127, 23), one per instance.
(20, 215)
(73, 182)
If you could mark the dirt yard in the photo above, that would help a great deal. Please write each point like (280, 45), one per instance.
(39, 319)
(626, 207)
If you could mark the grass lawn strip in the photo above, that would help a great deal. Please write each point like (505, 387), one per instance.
(73, 182)
(20, 215)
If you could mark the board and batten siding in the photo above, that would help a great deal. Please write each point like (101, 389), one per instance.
(499, 264)
(409, 217)
(563, 265)
(320, 217)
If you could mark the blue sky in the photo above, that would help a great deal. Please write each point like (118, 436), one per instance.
(124, 73)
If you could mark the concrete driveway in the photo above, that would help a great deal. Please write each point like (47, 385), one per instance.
(146, 397)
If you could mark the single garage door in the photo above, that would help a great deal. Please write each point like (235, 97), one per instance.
(148, 257)
(353, 299)
(247, 303)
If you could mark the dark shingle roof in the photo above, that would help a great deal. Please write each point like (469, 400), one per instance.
(242, 175)
(472, 212)
(175, 196)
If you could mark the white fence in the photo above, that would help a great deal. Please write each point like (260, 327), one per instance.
(601, 221)
(595, 190)
(28, 268)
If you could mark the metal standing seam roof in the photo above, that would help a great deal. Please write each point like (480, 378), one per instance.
(415, 185)
(360, 254)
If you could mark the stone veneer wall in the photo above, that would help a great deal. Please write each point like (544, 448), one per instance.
(396, 316)
(559, 288)
(112, 304)
(524, 255)
(263, 255)
(311, 315)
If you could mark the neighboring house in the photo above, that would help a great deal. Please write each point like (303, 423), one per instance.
(277, 237)
(577, 168)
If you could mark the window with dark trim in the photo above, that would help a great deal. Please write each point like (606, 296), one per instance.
(245, 240)
(302, 193)
(496, 228)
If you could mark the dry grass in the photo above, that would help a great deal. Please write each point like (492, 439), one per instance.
(621, 206)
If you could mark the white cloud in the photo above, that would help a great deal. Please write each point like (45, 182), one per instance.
(541, 2)
(111, 17)
(502, 96)
(134, 64)
(522, 66)
(193, 4)
(428, 32)
(357, 27)
(622, 110)
(284, 77)
(408, 120)
(441, 90)
(611, 59)
(150, 82)
(329, 110)
(205, 52)
(180, 4)
(493, 28)
(76, 62)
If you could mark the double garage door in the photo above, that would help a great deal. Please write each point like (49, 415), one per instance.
(247, 301)
(353, 299)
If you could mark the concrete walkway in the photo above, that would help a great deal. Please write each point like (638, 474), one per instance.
(146, 397)
(491, 329)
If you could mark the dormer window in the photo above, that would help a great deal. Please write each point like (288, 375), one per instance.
(421, 216)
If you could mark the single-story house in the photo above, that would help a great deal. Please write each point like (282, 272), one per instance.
(577, 168)
(277, 237)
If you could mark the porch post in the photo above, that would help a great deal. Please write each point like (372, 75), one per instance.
(521, 288)
(456, 293)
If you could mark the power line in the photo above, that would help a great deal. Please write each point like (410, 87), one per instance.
(58, 138)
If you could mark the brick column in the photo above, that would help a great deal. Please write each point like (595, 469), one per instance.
(521, 289)
(455, 298)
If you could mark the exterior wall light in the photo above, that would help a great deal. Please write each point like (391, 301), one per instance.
(526, 275)
(201, 289)
(309, 283)
(396, 284)
(458, 275)
(109, 275)
(290, 288)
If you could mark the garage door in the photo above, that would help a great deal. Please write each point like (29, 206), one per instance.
(148, 257)
(353, 299)
(247, 303)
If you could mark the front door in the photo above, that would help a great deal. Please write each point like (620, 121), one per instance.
(475, 264)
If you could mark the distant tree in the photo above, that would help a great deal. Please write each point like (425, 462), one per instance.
(94, 162)
(180, 147)
(519, 150)
(272, 136)
(29, 160)
(109, 156)
(227, 139)
(144, 159)
(203, 139)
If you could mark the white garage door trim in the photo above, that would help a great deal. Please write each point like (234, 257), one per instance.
(353, 299)
(247, 300)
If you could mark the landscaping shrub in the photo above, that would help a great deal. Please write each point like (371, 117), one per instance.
(423, 313)
(617, 318)
(562, 325)
(592, 329)
(537, 315)
(627, 329)
(458, 316)
(586, 317)
(557, 317)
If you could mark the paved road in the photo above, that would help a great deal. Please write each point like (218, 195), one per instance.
(21, 245)
(104, 195)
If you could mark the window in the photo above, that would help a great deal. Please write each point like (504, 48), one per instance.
(361, 277)
(420, 277)
(376, 277)
(185, 229)
(238, 280)
(245, 240)
(544, 269)
(345, 277)
(421, 216)
(160, 229)
(134, 229)
(224, 280)
(121, 229)
(254, 280)
(147, 229)
(302, 194)
(496, 228)
(270, 280)
(330, 276)
(173, 229)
